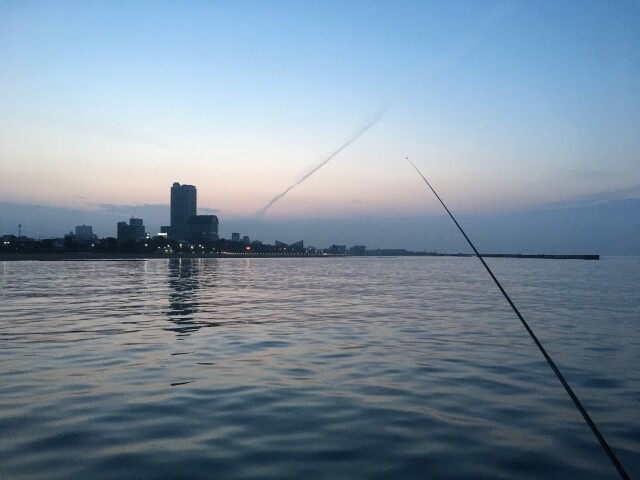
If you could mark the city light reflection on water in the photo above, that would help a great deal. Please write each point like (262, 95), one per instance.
(315, 368)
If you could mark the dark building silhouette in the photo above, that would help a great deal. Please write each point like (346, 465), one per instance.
(202, 228)
(235, 237)
(184, 204)
(84, 234)
(133, 231)
(358, 250)
(337, 249)
(296, 245)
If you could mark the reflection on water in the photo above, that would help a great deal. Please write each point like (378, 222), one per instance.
(183, 284)
(185, 277)
(317, 369)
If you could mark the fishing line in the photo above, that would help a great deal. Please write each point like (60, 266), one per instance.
(550, 362)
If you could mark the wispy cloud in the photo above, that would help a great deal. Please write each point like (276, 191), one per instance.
(627, 193)
(591, 174)
(113, 130)
(209, 211)
(123, 209)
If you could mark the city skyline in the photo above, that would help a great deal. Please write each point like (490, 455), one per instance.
(507, 107)
(598, 225)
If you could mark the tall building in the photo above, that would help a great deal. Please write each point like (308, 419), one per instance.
(184, 204)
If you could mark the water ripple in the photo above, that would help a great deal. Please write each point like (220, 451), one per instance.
(315, 368)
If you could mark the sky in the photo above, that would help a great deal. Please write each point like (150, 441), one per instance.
(507, 107)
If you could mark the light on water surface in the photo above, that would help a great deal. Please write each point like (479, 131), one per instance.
(315, 368)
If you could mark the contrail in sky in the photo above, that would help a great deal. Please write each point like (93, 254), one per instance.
(375, 119)
(450, 56)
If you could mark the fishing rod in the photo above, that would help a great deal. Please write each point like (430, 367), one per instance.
(550, 362)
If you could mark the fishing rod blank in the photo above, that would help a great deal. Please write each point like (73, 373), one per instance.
(576, 401)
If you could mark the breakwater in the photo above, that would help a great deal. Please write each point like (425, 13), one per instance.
(542, 256)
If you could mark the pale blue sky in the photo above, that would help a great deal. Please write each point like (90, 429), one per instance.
(503, 105)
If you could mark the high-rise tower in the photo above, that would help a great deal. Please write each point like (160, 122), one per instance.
(184, 204)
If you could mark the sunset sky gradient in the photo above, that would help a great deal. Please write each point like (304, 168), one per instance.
(503, 105)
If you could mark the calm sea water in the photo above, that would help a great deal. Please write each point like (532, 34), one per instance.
(316, 368)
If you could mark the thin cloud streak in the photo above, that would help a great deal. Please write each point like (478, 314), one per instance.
(457, 50)
(375, 119)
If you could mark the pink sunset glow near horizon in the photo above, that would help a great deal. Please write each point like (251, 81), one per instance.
(110, 103)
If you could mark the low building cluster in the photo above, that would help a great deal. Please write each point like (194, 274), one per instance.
(132, 232)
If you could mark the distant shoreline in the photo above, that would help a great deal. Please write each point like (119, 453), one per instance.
(86, 256)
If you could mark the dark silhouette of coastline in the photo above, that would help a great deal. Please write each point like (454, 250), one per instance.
(80, 256)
